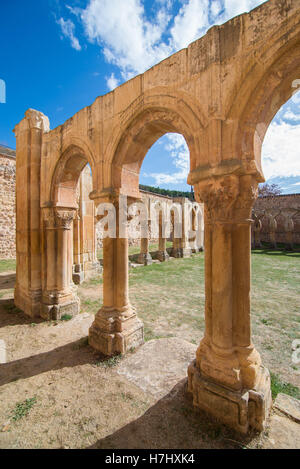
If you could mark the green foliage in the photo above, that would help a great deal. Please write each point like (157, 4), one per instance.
(278, 386)
(167, 192)
(22, 408)
(110, 362)
(66, 317)
(269, 190)
(7, 265)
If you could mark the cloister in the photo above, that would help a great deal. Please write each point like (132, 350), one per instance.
(221, 94)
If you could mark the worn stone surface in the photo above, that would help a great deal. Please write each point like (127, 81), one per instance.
(289, 406)
(158, 365)
(2, 351)
(283, 433)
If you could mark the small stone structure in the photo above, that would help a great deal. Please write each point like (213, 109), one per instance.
(221, 93)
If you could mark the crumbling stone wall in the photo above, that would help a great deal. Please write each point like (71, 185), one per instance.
(7, 204)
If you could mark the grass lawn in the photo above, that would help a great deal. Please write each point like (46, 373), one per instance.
(7, 265)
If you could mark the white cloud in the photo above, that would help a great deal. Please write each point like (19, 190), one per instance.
(190, 23)
(215, 7)
(291, 116)
(280, 152)
(133, 42)
(68, 28)
(179, 152)
(296, 98)
(112, 82)
(237, 7)
(126, 37)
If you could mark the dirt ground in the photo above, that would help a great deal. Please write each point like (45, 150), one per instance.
(82, 400)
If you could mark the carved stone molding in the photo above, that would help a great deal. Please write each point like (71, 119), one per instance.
(58, 218)
(227, 199)
(33, 120)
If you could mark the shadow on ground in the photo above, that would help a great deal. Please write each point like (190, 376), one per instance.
(70, 355)
(12, 316)
(277, 252)
(173, 423)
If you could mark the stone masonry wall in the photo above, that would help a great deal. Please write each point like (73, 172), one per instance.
(7, 204)
(280, 208)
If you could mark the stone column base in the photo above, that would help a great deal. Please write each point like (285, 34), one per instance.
(29, 303)
(240, 410)
(78, 274)
(56, 311)
(181, 252)
(144, 259)
(116, 334)
(162, 256)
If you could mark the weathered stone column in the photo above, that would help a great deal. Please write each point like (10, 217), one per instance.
(29, 134)
(89, 262)
(145, 256)
(256, 229)
(59, 292)
(200, 230)
(196, 243)
(181, 246)
(78, 274)
(227, 378)
(162, 254)
(116, 328)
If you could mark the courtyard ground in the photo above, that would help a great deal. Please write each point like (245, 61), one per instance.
(55, 391)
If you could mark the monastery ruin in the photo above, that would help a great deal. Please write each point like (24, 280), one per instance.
(220, 93)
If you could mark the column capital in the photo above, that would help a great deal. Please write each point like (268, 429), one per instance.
(228, 199)
(33, 120)
(58, 218)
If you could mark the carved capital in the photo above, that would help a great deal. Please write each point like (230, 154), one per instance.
(32, 120)
(58, 218)
(64, 218)
(227, 199)
(37, 120)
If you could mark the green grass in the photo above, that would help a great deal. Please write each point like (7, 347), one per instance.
(66, 317)
(110, 362)
(278, 386)
(22, 409)
(7, 264)
(136, 249)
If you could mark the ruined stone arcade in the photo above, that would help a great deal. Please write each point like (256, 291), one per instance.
(221, 94)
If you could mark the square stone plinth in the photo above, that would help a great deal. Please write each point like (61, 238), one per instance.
(111, 343)
(240, 410)
(56, 311)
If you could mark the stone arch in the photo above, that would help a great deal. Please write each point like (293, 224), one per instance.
(67, 173)
(144, 123)
(268, 84)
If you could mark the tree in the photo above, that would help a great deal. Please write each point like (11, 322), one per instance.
(168, 192)
(268, 190)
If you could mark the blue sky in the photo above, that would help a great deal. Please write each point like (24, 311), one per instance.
(58, 56)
